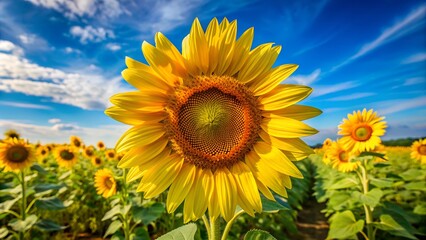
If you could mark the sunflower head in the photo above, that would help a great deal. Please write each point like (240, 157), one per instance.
(66, 156)
(418, 150)
(76, 142)
(110, 154)
(342, 159)
(327, 144)
(89, 151)
(212, 123)
(361, 131)
(100, 145)
(16, 154)
(105, 183)
(96, 161)
(42, 152)
(11, 133)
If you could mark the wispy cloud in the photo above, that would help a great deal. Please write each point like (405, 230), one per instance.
(91, 34)
(420, 57)
(9, 47)
(314, 45)
(412, 22)
(304, 79)
(399, 105)
(54, 120)
(113, 46)
(352, 96)
(322, 90)
(24, 105)
(81, 89)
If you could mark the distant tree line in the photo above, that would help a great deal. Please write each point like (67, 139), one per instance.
(401, 142)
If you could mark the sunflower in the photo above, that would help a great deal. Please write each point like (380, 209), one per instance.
(101, 145)
(16, 154)
(327, 144)
(105, 183)
(42, 152)
(66, 156)
(96, 161)
(89, 151)
(213, 123)
(76, 142)
(110, 154)
(326, 157)
(342, 159)
(362, 130)
(418, 150)
(11, 133)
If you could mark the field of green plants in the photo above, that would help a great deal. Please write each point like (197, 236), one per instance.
(48, 201)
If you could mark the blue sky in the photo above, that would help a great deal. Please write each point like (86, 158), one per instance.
(61, 60)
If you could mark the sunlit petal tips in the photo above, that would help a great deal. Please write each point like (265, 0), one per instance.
(213, 125)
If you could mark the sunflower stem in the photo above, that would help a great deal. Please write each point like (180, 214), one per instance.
(368, 211)
(229, 225)
(215, 228)
(24, 202)
(126, 219)
(207, 225)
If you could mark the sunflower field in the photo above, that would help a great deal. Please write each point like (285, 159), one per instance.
(214, 150)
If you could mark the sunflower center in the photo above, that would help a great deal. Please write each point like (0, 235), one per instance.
(17, 154)
(111, 155)
(97, 160)
(213, 122)
(76, 143)
(422, 150)
(67, 155)
(362, 133)
(108, 183)
(89, 152)
(343, 156)
(43, 152)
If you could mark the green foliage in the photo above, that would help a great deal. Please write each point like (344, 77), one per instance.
(186, 232)
(258, 235)
(344, 225)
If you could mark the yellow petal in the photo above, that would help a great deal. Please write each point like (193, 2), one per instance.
(162, 64)
(197, 200)
(145, 81)
(272, 79)
(164, 44)
(212, 36)
(138, 155)
(180, 187)
(272, 156)
(241, 52)
(145, 165)
(226, 192)
(133, 174)
(286, 127)
(286, 144)
(140, 135)
(283, 96)
(138, 101)
(214, 209)
(298, 112)
(160, 177)
(259, 61)
(226, 48)
(198, 47)
(247, 186)
(133, 117)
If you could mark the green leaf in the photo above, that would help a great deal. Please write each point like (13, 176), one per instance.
(113, 227)
(148, 214)
(117, 209)
(47, 186)
(421, 186)
(39, 169)
(273, 206)
(381, 183)
(256, 234)
(372, 198)
(373, 154)
(420, 209)
(344, 183)
(65, 175)
(51, 203)
(6, 205)
(387, 223)
(140, 234)
(3, 232)
(412, 174)
(23, 225)
(344, 225)
(185, 232)
(49, 226)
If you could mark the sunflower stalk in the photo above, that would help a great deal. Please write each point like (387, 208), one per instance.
(368, 211)
(215, 228)
(229, 225)
(24, 202)
(124, 197)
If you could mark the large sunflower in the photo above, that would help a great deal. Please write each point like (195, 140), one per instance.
(418, 150)
(213, 123)
(362, 130)
(66, 156)
(341, 158)
(105, 183)
(16, 154)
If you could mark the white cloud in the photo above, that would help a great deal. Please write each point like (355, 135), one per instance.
(109, 134)
(54, 120)
(420, 57)
(9, 47)
(399, 105)
(24, 105)
(324, 90)
(70, 50)
(87, 91)
(27, 38)
(91, 34)
(352, 96)
(414, 81)
(80, 8)
(304, 79)
(113, 46)
(412, 22)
